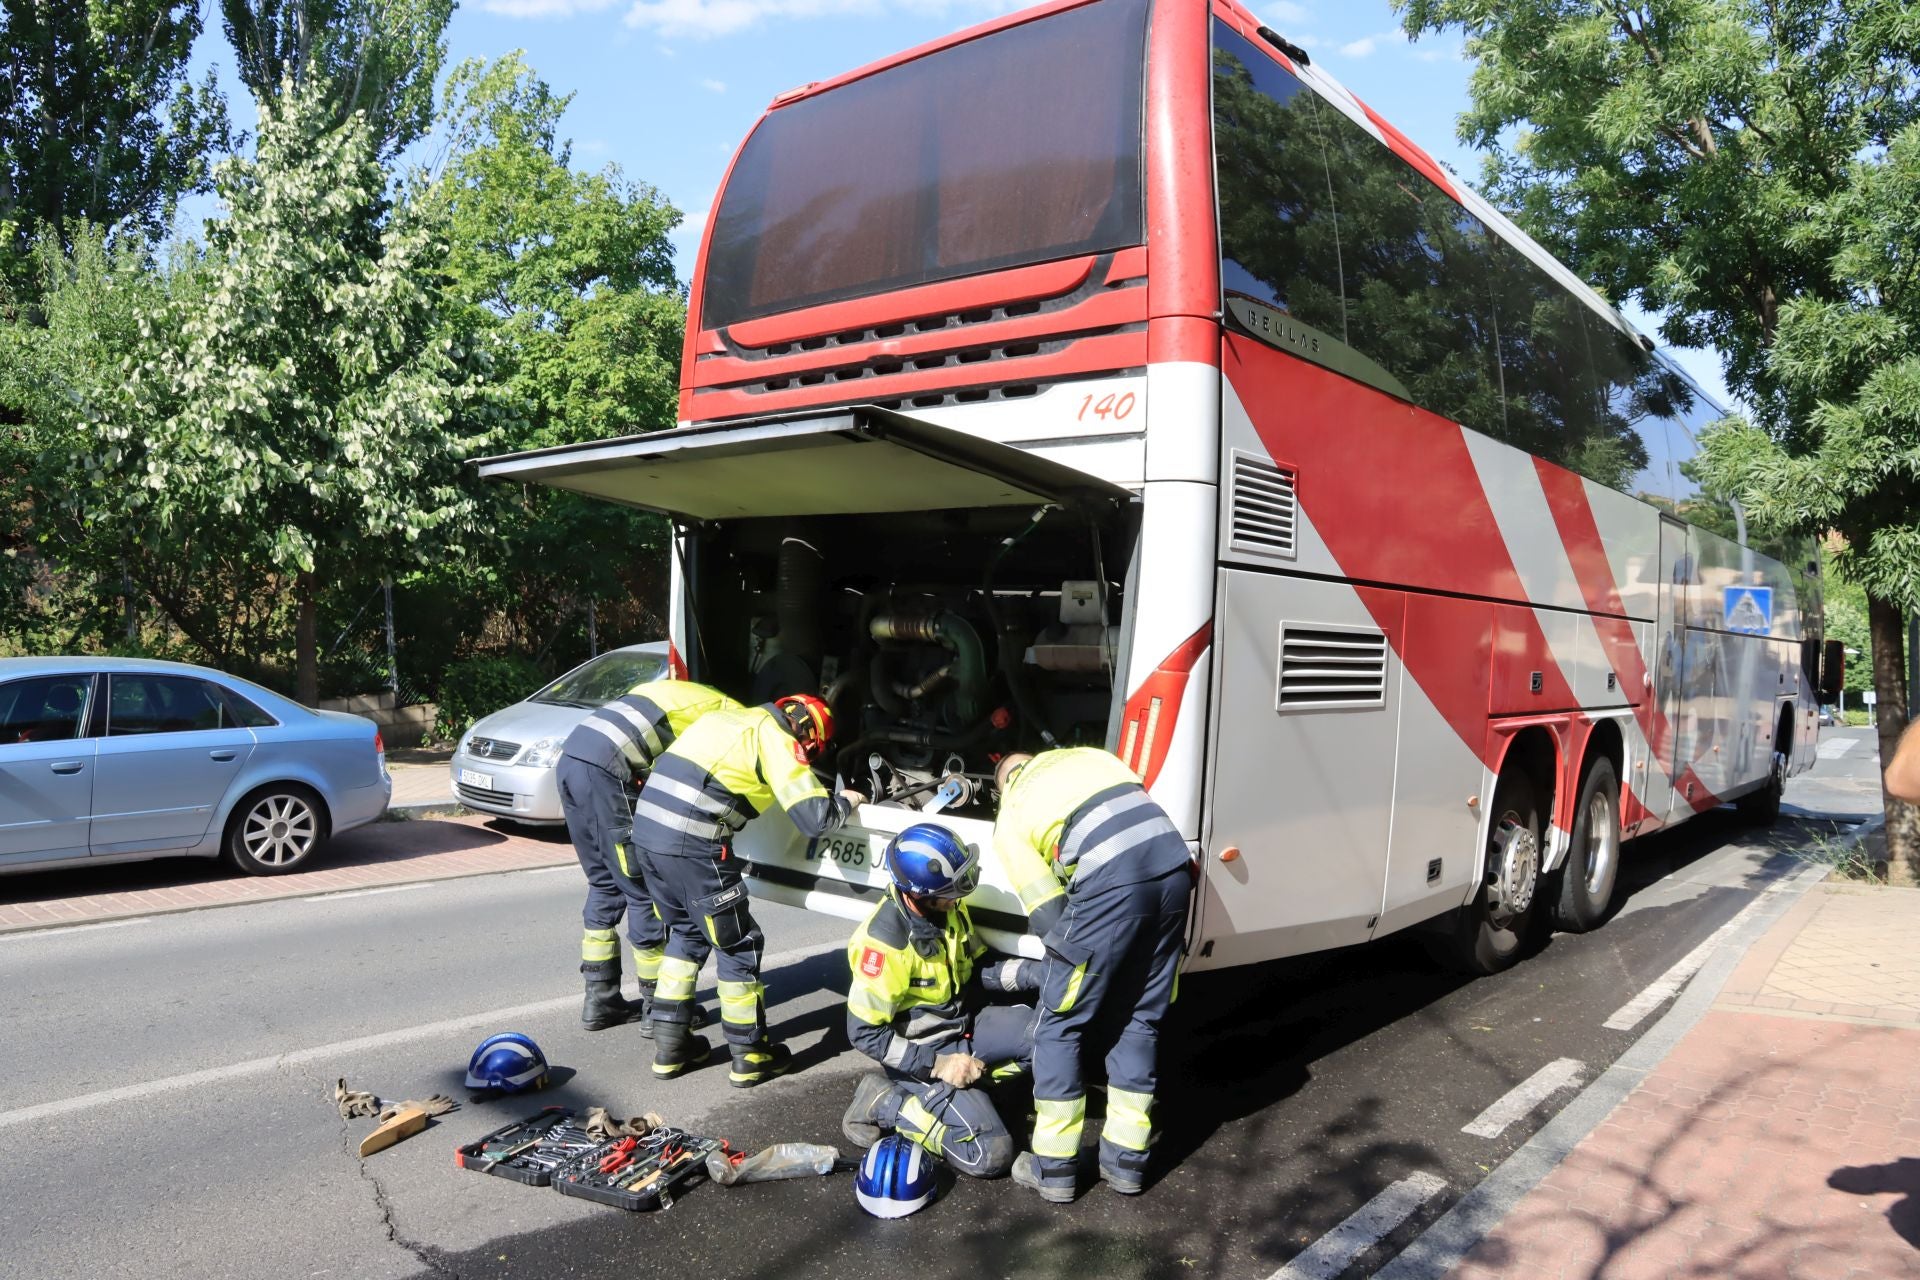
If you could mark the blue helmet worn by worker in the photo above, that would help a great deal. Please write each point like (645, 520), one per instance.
(896, 1178)
(508, 1062)
(928, 861)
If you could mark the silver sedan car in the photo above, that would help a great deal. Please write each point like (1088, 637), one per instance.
(504, 764)
(119, 760)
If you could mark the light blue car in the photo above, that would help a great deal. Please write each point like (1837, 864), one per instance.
(118, 760)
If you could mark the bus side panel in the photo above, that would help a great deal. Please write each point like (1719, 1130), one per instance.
(1303, 791)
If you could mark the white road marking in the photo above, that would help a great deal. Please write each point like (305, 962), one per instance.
(1365, 1227)
(324, 1052)
(1562, 1073)
(547, 871)
(368, 893)
(1629, 1015)
(1834, 748)
(22, 934)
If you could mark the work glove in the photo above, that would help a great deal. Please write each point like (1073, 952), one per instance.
(601, 1125)
(354, 1103)
(853, 798)
(437, 1104)
(957, 1069)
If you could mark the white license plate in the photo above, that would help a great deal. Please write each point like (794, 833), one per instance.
(482, 780)
(851, 851)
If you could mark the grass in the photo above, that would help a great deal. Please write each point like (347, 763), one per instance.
(1847, 858)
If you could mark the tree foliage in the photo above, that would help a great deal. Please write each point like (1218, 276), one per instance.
(98, 120)
(378, 57)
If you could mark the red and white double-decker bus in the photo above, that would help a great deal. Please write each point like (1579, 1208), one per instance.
(1107, 374)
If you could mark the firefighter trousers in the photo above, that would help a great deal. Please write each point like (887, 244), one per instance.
(600, 823)
(703, 903)
(1109, 975)
(963, 1125)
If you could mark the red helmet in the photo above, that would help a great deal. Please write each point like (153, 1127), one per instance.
(810, 722)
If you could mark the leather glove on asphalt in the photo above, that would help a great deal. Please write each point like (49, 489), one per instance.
(437, 1104)
(601, 1124)
(957, 1069)
(354, 1103)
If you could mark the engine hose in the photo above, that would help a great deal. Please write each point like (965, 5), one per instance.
(1009, 651)
(952, 632)
(800, 578)
(909, 736)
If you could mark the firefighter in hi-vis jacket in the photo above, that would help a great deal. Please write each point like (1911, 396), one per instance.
(604, 755)
(718, 775)
(1106, 881)
(911, 1009)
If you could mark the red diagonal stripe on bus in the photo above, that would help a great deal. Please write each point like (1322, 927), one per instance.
(1587, 552)
(1145, 735)
(1362, 459)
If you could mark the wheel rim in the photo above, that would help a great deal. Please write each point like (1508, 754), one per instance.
(1603, 844)
(279, 830)
(1516, 869)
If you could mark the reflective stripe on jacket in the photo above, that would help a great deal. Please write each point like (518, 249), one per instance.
(625, 735)
(1078, 817)
(904, 1007)
(719, 774)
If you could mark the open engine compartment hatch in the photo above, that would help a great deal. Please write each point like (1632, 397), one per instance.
(851, 460)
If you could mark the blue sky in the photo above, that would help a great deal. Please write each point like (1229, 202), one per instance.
(667, 88)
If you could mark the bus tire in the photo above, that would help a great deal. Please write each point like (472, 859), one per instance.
(1762, 808)
(1580, 894)
(1486, 935)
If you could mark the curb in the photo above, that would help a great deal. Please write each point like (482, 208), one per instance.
(1436, 1251)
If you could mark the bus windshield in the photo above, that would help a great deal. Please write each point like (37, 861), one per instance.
(1018, 147)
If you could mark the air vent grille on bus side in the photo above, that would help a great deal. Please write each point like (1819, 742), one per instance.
(1263, 507)
(1328, 667)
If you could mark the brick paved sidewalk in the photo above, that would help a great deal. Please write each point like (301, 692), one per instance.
(384, 853)
(1780, 1140)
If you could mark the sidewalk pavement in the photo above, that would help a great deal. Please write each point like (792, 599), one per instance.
(383, 853)
(1780, 1140)
(417, 785)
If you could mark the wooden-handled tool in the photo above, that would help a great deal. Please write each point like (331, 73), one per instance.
(404, 1124)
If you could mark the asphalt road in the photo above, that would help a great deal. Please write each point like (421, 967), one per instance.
(167, 1106)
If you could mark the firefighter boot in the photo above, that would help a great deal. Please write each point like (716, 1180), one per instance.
(1056, 1189)
(604, 1005)
(757, 1063)
(676, 1048)
(646, 1012)
(876, 1102)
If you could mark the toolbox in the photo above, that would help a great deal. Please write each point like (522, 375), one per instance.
(637, 1173)
(528, 1151)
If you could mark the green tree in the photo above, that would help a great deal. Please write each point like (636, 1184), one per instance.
(98, 120)
(305, 407)
(1734, 164)
(380, 57)
(567, 277)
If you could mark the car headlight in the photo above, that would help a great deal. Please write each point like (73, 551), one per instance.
(543, 754)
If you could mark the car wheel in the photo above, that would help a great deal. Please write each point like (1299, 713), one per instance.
(1487, 934)
(275, 830)
(1581, 892)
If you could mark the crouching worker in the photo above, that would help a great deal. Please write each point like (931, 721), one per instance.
(912, 1010)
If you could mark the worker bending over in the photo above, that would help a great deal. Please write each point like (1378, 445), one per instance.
(1106, 880)
(719, 774)
(604, 755)
(911, 1009)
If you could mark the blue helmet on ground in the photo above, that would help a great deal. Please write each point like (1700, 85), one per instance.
(895, 1179)
(508, 1062)
(929, 861)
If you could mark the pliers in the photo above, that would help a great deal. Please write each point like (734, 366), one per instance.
(619, 1155)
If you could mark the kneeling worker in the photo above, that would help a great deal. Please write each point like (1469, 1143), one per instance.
(1106, 881)
(717, 776)
(603, 755)
(908, 1010)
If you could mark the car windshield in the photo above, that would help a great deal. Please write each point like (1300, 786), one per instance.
(603, 679)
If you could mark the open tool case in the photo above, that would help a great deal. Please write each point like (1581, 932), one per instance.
(637, 1173)
(528, 1151)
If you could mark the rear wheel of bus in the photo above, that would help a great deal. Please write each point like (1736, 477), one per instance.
(1581, 892)
(1487, 934)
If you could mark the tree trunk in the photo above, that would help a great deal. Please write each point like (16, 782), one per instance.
(306, 641)
(1888, 629)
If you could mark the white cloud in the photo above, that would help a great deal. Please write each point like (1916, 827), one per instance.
(544, 8)
(707, 18)
(1278, 13)
(714, 86)
(1366, 45)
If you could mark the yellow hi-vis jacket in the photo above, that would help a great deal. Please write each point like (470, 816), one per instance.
(1077, 816)
(906, 1006)
(626, 734)
(726, 769)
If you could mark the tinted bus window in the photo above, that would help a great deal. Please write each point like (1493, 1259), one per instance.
(1018, 147)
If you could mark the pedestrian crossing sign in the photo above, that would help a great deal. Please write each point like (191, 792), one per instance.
(1749, 610)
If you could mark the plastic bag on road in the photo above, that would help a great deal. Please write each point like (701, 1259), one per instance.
(781, 1160)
